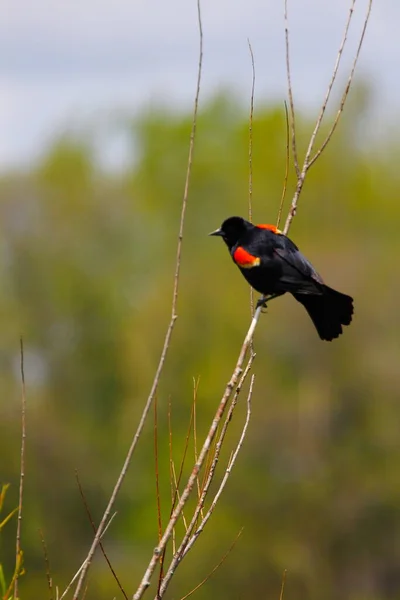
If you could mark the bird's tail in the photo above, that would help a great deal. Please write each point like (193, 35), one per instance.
(328, 311)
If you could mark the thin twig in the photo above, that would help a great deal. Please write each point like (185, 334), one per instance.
(18, 553)
(177, 480)
(182, 550)
(171, 467)
(253, 83)
(228, 470)
(195, 388)
(285, 180)
(158, 500)
(307, 160)
(347, 89)
(168, 335)
(290, 92)
(79, 571)
(332, 81)
(283, 585)
(47, 563)
(144, 584)
(216, 566)
(89, 514)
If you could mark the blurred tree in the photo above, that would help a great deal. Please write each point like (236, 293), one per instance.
(87, 264)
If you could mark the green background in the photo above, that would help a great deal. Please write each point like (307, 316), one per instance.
(87, 262)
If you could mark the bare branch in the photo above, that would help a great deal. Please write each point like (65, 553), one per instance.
(230, 463)
(168, 335)
(18, 552)
(307, 160)
(158, 500)
(332, 81)
(47, 563)
(184, 546)
(203, 453)
(215, 568)
(290, 92)
(89, 514)
(79, 571)
(171, 467)
(251, 134)
(285, 180)
(253, 83)
(283, 585)
(347, 88)
(195, 388)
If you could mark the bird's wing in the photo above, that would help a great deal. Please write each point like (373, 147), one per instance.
(297, 271)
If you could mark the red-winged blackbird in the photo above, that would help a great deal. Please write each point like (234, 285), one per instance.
(273, 265)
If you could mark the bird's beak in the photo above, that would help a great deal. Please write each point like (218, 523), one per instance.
(217, 232)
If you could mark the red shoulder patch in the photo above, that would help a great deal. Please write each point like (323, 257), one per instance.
(270, 227)
(244, 259)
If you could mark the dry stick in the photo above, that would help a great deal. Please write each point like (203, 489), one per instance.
(307, 161)
(168, 335)
(203, 453)
(22, 469)
(334, 74)
(283, 585)
(157, 471)
(253, 83)
(215, 568)
(195, 388)
(182, 550)
(347, 89)
(171, 466)
(75, 577)
(229, 467)
(285, 180)
(89, 514)
(176, 482)
(157, 486)
(47, 563)
(290, 91)
(251, 134)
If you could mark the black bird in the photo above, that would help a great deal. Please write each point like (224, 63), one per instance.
(273, 265)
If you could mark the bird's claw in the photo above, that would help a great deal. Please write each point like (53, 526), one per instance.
(262, 302)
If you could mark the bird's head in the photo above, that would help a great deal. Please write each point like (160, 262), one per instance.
(232, 230)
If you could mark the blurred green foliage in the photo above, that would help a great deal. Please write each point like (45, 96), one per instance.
(87, 262)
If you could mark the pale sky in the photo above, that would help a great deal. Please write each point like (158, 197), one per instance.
(71, 64)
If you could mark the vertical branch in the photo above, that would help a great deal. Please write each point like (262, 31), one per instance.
(18, 552)
(253, 82)
(347, 88)
(283, 585)
(217, 566)
(47, 563)
(189, 539)
(231, 462)
(171, 466)
(159, 522)
(168, 335)
(308, 161)
(285, 180)
(290, 91)
(332, 81)
(145, 582)
(89, 514)
(251, 134)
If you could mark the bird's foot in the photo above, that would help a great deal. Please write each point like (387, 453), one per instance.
(262, 302)
(264, 299)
